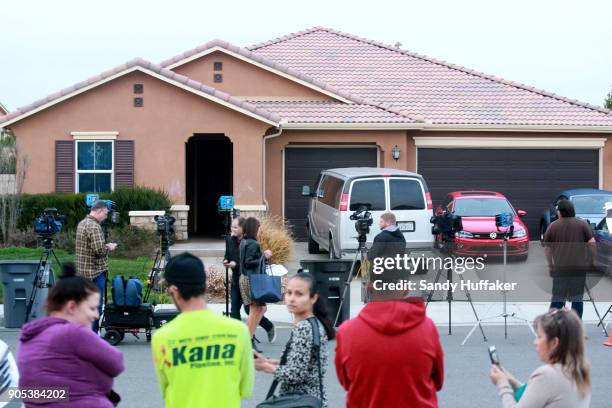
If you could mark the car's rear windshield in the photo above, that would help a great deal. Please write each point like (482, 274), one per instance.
(482, 207)
(406, 194)
(591, 204)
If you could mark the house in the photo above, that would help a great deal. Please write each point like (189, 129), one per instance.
(262, 121)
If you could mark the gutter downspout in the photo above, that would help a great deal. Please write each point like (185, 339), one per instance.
(263, 162)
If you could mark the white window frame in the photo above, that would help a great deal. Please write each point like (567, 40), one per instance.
(76, 163)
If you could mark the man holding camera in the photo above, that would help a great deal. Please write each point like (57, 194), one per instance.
(92, 251)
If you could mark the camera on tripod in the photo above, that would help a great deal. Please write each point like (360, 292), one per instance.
(113, 214)
(165, 225)
(49, 223)
(446, 225)
(363, 222)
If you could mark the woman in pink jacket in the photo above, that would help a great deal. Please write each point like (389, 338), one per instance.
(61, 350)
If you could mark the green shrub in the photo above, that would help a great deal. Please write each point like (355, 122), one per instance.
(133, 242)
(73, 206)
(138, 199)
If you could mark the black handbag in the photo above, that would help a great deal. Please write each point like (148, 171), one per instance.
(297, 400)
(265, 288)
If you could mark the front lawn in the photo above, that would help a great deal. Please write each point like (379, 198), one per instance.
(138, 267)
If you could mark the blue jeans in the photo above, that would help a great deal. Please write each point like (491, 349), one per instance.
(100, 282)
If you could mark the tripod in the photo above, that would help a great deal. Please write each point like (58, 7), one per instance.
(162, 257)
(44, 278)
(601, 319)
(449, 293)
(505, 314)
(361, 255)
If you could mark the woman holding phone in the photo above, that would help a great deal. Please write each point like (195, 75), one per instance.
(564, 381)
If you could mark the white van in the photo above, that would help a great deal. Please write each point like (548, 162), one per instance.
(340, 192)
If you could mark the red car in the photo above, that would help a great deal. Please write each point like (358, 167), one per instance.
(480, 236)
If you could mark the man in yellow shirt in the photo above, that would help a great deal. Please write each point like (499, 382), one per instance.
(202, 359)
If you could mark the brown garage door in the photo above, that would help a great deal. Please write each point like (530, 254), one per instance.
(302, 167)
(529, 178)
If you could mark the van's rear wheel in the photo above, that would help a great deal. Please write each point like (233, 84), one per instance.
(313, 246)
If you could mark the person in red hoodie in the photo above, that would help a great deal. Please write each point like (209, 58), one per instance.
(390, 354)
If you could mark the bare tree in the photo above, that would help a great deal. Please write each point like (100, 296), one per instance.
(11, 200)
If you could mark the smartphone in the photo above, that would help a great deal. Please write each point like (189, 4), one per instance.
(493, 356)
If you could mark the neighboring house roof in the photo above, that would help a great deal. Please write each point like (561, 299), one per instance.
(139, 64)
(3, 110)
(331, 112)
(441, 92)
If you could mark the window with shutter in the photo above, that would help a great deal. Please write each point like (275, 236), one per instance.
(94, 166)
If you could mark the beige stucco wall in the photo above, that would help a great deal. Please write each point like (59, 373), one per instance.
(243, 79)
(160, 129)
(385, 140)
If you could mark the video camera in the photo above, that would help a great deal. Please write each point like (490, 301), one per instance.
(446, 224)
(165, 225)
(113, 214)
(363, 222)
(49, 223)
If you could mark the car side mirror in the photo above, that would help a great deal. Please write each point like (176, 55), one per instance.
(521, 213)
(306, 191)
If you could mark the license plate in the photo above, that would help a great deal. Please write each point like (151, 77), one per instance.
(406, 226)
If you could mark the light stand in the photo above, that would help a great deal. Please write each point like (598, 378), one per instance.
(449, 294)
(44, 278)
(505, 226)
(225, 207)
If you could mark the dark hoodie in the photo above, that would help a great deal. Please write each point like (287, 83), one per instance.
(56, 353)
(390, 356)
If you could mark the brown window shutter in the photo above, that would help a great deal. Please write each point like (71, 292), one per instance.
(64, 166)
(124, 163)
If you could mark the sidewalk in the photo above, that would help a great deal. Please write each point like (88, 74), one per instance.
(461, 312)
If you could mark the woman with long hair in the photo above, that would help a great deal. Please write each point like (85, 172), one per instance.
(564, 381)
(232, 260)
(298, 369)
(250, 261)
(61, 350)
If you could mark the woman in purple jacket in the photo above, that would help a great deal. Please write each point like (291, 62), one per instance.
(60, 350)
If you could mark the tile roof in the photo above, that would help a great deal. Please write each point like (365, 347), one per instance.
(168, 74)
(420, 86)
(331, 112)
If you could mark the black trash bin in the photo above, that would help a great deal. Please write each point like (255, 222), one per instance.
(331, 277)
(18, 281)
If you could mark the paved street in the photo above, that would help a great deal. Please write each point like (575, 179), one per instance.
(466, 381)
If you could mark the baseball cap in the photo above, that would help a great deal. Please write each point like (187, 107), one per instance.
(186, 269)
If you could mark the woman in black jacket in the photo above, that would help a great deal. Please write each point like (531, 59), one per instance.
(250, 260)
(232, 260)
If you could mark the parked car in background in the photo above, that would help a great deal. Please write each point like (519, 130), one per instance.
(9, 376)
(340, 192)
(480, 236)
(603, 238)
(588, 202)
